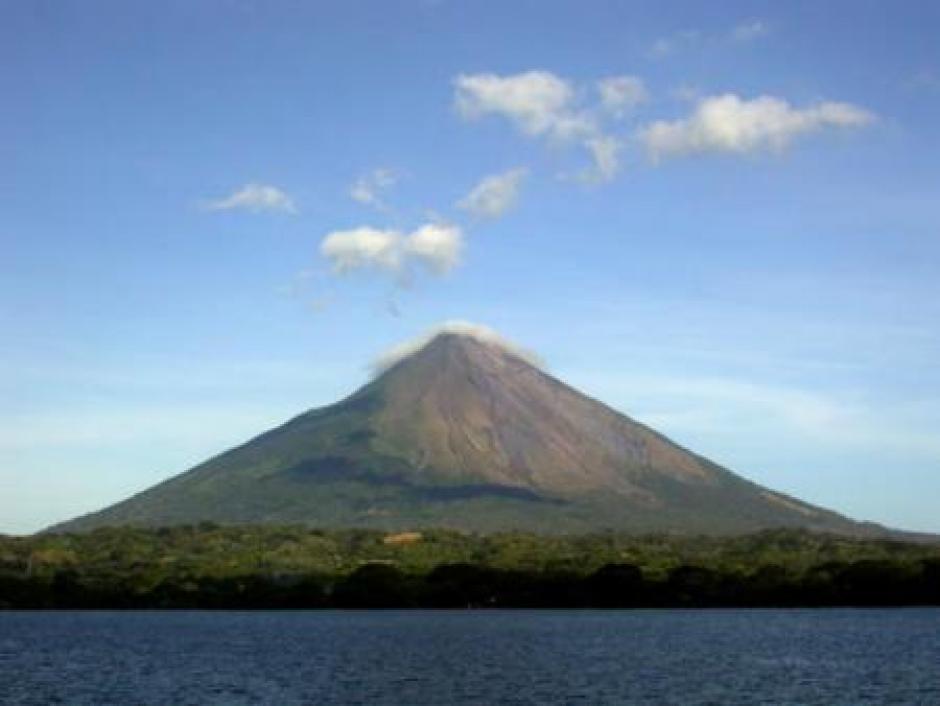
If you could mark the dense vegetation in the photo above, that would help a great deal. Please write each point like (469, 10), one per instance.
(210, 566)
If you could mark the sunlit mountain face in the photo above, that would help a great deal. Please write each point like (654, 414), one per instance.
(466, 431)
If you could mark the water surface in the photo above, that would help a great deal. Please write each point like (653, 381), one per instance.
(487, 657)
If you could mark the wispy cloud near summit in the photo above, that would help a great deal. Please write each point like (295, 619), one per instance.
(479, 332)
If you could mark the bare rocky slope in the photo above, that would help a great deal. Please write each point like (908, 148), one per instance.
(464, 433)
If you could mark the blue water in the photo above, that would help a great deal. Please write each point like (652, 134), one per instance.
(520, 657)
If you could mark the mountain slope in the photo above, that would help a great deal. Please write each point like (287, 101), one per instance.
(466, 433)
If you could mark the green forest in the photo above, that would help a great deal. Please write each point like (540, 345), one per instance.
(294, 567)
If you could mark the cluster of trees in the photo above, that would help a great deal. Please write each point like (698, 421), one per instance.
(297, 568)
(380, 585)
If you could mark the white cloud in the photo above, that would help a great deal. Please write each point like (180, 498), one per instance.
(434, 245)
(479, 332)
(368, 188)
(728, 123)
(363, 247)
(539, 104)
(494, 195)
(255, 198)
(749, 31)
(621, 94)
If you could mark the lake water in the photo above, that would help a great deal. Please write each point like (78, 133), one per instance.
(518, 657)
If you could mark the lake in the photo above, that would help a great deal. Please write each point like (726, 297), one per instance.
(472, 657)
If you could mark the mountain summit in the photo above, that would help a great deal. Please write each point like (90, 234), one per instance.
(465, 431)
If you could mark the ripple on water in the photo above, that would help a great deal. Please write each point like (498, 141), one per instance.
(524, 657)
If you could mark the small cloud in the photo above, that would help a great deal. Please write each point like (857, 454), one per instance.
(298, 285)
(437, 246)
(924, 80)
(255, 198)
(539, 104)
(319, 304)
(729, 123)
(750, 31)
(368, 188)
(605, 151)
(667, 46)
(494, 195)
(661, 48)
(363, 247)
(687, 93)
(620, 95)
(536, 102)
(686, 39)
(309, 287)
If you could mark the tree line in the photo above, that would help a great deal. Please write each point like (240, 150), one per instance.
(212, 567)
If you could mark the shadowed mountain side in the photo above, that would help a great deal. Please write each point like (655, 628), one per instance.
(465, 434)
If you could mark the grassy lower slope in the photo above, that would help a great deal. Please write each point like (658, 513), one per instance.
(390, 503)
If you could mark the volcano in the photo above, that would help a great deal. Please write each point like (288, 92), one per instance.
(465, 432)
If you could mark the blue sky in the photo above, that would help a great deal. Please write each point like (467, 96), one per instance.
(720, 218)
